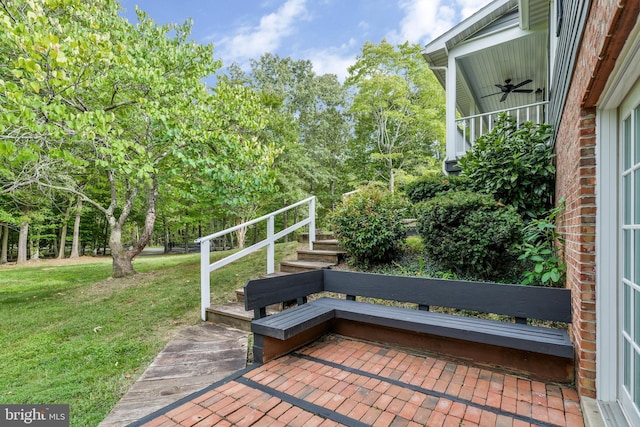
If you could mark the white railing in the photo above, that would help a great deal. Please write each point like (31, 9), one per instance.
(350, 193)
(472, 127)
(205, 246)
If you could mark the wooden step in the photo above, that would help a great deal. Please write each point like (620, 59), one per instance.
(304, 237)
(326, 245)
(232, 314)
(298, 266)
(333, 257)
(240, 295)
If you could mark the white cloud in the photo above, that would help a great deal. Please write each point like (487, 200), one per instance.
(331, 61)
(267, 36)
(422, 21)
(469, 7)
(425, 20)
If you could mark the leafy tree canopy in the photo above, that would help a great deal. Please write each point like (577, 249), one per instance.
(85, 94)
(398, 109)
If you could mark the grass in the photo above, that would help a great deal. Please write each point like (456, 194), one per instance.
(70, 334)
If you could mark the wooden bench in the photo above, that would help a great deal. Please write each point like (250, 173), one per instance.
(538, 351)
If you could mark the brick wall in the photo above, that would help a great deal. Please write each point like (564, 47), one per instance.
(576, 176)
(575, 148)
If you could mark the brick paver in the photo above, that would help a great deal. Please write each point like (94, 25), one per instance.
(338, 381)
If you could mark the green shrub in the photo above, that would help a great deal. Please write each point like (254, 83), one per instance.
(414, 245)
(470, 234)
(544, 266)
(427, 186)
(515, 165)
(368, 225)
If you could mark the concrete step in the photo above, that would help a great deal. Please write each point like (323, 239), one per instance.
(326, 245)
(333, 257)
(298, 266)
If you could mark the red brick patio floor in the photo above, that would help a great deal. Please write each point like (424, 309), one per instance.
(339, 381)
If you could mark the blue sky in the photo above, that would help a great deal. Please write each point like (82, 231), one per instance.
(330, 33)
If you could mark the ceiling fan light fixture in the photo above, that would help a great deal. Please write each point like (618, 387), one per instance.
(507, 88)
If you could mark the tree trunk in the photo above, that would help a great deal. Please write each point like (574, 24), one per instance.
(122, 265)
(22, 243)
(186, 238)
(106, 238)
(241, 234)
(63, 238)
(231, 244)
(123, 258)
(76, 231)
(34, 245)
(224, 238)
(63, 231)
(5, 244)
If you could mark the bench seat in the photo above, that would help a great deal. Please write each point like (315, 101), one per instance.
(537, 351)
(536, 339)
(291, 322)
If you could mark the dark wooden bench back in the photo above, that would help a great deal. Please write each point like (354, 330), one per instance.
(521, 302)
(260, 293)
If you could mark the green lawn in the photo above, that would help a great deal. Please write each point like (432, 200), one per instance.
(70, 334)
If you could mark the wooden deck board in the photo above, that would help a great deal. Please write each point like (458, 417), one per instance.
(195, 358)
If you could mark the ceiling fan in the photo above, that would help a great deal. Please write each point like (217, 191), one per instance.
(507, 88)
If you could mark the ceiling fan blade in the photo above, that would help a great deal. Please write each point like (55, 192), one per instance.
(522, 83)
(504, 96)
(502, 88)
(491, 94)
(522, 90)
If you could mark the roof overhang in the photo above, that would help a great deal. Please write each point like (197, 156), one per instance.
(507, 39)
(437, 52)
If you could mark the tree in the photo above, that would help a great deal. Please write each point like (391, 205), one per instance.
(63, 229)
(308, 122)
(75, 242)
(5, 243)
(22, 208)
(87, 96)
(398, 107)
(6, 217)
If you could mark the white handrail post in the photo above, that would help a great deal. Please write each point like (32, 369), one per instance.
(205, 290)
(473, 131)
(312, 222)
(271, 248)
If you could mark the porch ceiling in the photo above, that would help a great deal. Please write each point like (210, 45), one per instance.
(518, 60)
(508, 39)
